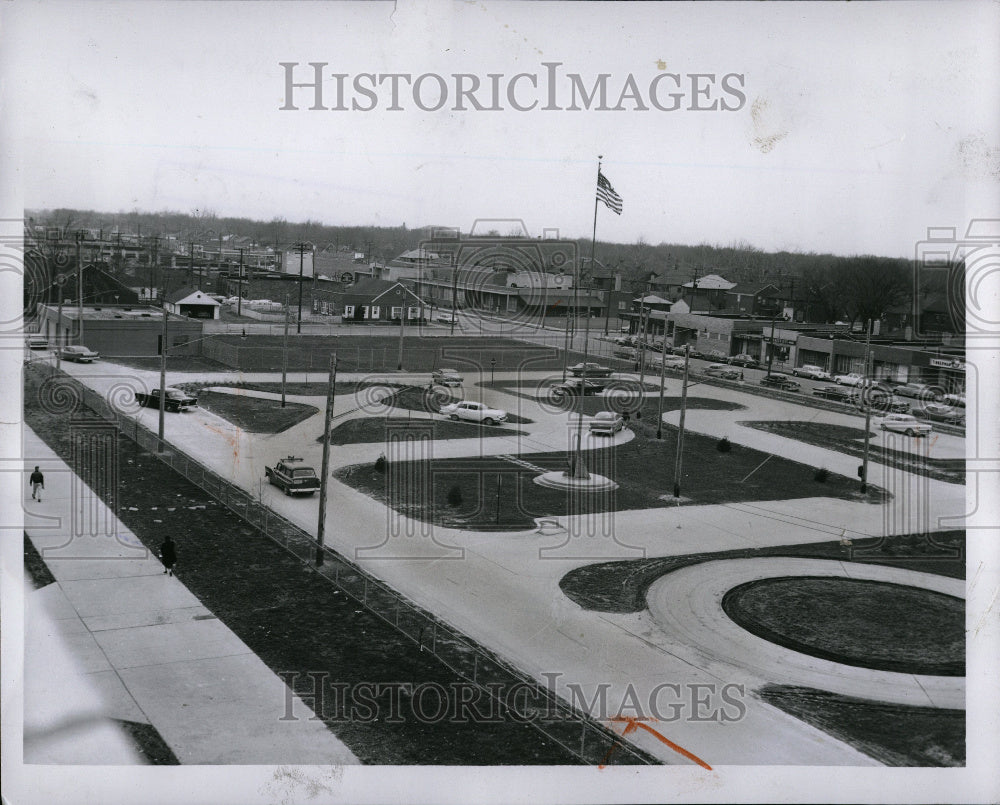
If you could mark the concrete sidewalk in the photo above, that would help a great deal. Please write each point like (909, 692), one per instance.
(146, 648)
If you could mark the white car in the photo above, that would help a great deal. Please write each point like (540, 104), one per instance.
(607, 423)
(811, 371)
(905, 423)
(850, 379)
(447, 377)
(474, 412)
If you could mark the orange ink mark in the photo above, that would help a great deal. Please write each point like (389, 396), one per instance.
(632, 724)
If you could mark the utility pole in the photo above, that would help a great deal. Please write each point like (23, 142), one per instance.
(454, 293)
(325, 471)
(402, 323)
(239, 288)
(300, 247)
(678, 462)
(578, 470)
(607, 308)
(59, 284)
(191, 265)
(163, 371)
(79, 288)
(663, 372)
(865, 393)
(770, 349)
(284, 355)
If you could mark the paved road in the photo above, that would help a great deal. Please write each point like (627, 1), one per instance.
(504, 590)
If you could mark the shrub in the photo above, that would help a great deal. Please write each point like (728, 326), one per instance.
(455, 496)
(821, 475)
(724, 445)
(380, 464)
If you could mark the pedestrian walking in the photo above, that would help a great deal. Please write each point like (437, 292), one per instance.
(37, 484)
(168, 555)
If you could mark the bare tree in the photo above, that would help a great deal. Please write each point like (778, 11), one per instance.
(871, 286)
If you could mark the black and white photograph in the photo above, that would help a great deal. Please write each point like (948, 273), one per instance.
(440, 401)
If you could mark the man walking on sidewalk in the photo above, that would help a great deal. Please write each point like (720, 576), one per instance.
(168, 555)
(37, 484)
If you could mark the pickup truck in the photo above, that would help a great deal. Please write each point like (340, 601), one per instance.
(291, 478)
(176, 400)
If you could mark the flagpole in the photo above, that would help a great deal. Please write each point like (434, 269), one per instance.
(579, 470)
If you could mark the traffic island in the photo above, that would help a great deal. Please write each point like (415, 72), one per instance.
(563, 480)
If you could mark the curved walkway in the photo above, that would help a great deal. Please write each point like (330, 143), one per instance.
(687, 605)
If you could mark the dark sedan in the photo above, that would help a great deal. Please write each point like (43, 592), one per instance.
(783, 382)
(589, 370)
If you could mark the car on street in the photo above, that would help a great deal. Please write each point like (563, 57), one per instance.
(447, 377)
(776, 380)
(36, 341)
(880, 399)
(176, 400)
(607, 423)
(291, 478)
(850, 379)
(922, 391)
(811, 371)
(723, 371)
(833, 393)
(905, 423)
(673, 362)
(744, 360)
(474, 412)
(573, 385)
(589, 369)
(446, 318)
(940, 413)
(627, 353)
(78, 354)
(956, 398)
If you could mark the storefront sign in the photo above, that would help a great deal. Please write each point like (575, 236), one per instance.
(942, 363)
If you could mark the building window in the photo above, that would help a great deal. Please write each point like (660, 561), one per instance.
(397, 312)
(348, 311)
(374, 311)
(623, 305)
(413, 312)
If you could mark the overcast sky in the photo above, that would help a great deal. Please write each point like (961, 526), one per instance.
(859, 125)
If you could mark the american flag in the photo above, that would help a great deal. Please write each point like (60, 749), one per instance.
(607, 194)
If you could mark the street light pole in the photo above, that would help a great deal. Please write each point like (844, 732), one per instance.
(402, 322)
(454, 293)
(770, 349)
(663, 372)
(868, 408)
(325, 470)
(163, 370)
(678, 463)
(239, 288)
(79, 288)
(284, 355)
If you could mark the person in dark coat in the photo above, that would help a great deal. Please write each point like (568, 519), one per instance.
(168, 555)
(37, 484)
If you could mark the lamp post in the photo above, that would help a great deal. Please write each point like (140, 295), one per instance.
(325, 471)
(163, 372)
(301, 248)
(79, 287)
(493, 366)
(868, 408)
(284, 356)
(402, 322)
(659, 404)
(678, 459)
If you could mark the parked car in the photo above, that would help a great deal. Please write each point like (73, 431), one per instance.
(446, 318)
(833, 393)
(36, 341)
(291, 478)
(474, 412)
(573, 385)
(589, 369)
(957, 398)
(447, 377)
(723, 371)
(881, 400)
(850, 379)
(744, 360)
(776, 380)
(176, 400)
(625, 352)
(607, 423)
(940, 413)
(905, 423)
(673, 362)
(811, 371)
(921, 391)
(78, 354)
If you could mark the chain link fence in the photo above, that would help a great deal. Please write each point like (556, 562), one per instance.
(578, 733)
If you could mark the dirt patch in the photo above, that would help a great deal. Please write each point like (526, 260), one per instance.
(370, 430)
(621, 586)
(254, 414)
(886, 627)
(498, 494)
(894, 734)
(845, 439)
